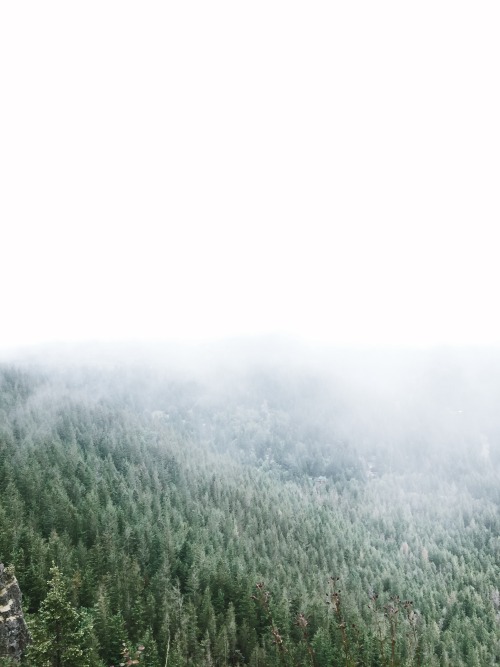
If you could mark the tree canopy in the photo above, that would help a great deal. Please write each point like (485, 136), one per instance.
(142, 509)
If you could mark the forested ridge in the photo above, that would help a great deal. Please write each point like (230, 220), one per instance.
(213, 519)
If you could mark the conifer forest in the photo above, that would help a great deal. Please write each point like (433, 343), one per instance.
(263, 513)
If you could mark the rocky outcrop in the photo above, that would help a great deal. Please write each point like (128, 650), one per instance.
(14, 635)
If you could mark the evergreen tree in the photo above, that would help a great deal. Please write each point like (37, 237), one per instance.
(62, 636)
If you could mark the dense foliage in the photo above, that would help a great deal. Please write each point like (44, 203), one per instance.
(155, 503)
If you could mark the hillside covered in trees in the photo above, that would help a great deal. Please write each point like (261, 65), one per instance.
(259, 512)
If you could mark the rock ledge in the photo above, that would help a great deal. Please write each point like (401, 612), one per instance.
(14, 635)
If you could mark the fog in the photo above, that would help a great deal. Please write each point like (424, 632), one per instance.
(413, 409)
(198, 172)
(248, 276)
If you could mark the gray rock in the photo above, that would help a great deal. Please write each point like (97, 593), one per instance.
(14, 635)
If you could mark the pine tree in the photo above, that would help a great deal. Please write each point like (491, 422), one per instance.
(109, 628)
(150, 654)
(62, 636)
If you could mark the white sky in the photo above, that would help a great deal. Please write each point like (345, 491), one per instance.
(200, 169)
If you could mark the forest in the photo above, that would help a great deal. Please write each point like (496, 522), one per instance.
(338, 511)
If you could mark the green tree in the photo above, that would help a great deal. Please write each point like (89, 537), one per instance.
(110, 630)
(62, 636)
